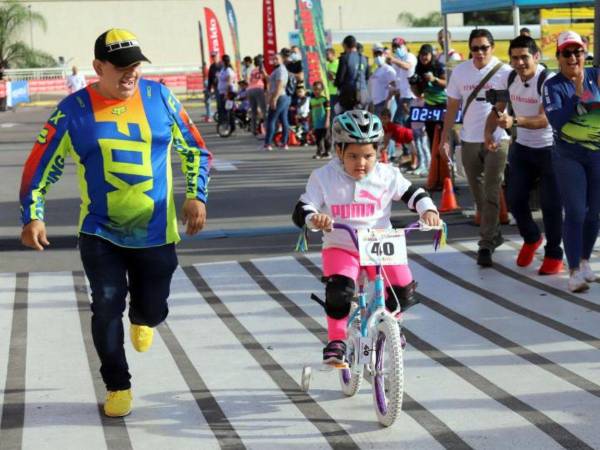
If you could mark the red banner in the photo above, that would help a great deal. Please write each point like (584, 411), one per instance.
(213, 31)
(269, 33)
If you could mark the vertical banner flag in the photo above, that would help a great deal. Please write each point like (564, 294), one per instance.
(312, 37)
(213, 32)
(235, 37)
(269, 33)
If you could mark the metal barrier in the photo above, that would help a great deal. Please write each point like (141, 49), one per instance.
(53, 80)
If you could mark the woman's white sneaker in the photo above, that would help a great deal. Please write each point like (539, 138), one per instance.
(577, 282)
(588, 273)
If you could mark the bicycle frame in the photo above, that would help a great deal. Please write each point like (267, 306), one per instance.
(367, 310)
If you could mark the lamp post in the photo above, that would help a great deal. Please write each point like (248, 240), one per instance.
(30, 27)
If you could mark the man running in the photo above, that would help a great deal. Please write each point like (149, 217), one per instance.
(530, 155)
(119, 131)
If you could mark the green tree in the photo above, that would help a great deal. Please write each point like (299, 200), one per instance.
(433, 19)
(500, 17)
(14, 17)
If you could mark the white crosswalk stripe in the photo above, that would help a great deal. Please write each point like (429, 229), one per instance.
(497, 358)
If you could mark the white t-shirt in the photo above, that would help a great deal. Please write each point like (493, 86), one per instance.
(361, 204)
(465, 78)
(75, 82)
(379, 83)
(526, 102)
(224, 75)
(402, 76)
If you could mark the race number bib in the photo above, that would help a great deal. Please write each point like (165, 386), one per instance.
(382, 247)
(229, 105)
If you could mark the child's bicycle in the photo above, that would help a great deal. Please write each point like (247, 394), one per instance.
(374, 342)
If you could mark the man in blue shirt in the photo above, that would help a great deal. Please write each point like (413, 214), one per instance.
(119, 131)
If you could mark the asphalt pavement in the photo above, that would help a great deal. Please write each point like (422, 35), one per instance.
(252, 195)
(497, 358)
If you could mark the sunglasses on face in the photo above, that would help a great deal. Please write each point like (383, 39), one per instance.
(481, 48)
(567, 53)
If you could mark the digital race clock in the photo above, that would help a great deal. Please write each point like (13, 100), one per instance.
(430, 114)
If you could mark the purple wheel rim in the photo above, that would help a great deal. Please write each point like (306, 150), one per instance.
(346, 375)
(379, 382)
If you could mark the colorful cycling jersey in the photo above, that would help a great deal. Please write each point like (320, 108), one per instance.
(121, 149)
(575, 120)
(365, 203)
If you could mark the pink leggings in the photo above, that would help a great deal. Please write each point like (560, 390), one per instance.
(337, 261)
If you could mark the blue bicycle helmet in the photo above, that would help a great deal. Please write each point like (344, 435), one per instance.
(357, 127)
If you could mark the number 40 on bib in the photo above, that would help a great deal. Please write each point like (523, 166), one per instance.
(382, 247)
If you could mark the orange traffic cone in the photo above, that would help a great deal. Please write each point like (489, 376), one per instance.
(293, 139)
(384, 156)
(449, 202)
(503, 214)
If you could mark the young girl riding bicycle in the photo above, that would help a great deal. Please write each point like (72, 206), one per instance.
(356, 190)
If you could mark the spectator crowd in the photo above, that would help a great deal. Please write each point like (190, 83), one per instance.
(516, 130)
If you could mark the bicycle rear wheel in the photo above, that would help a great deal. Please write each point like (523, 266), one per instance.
(388, 379)
(224, 129)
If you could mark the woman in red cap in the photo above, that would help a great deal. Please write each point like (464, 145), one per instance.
(572, 105)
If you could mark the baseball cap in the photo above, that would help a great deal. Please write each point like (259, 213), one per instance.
(568, 38)
(398, 41)
(377, 47)
(119, 47)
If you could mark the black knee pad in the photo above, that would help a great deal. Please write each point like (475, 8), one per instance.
(339, 292)
(405, 294)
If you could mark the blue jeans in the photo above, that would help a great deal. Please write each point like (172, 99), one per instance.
(423, 151)
(112, 272)
(280, 113)
(527, 165)
(578, 173)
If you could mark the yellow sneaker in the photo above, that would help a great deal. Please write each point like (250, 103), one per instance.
(141, 337)
(118, 403)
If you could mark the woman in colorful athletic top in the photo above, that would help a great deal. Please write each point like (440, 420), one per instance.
(356, 190)
(572, 105)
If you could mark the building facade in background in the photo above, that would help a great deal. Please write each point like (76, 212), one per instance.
(168, 29)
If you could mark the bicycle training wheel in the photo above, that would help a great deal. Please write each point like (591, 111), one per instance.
(388, 379)
(351, 378)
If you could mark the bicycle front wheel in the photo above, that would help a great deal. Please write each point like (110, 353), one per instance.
(388, 380)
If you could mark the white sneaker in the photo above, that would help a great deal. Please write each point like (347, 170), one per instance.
(588, 273)
(577, 282)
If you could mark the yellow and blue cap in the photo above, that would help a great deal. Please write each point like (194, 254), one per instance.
(119, 47)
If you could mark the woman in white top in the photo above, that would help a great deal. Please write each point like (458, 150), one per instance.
(227, 87)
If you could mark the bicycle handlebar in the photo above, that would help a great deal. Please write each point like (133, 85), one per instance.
(351, 231)
(420, 226)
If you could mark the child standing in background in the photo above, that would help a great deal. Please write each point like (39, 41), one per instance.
(319, 120)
